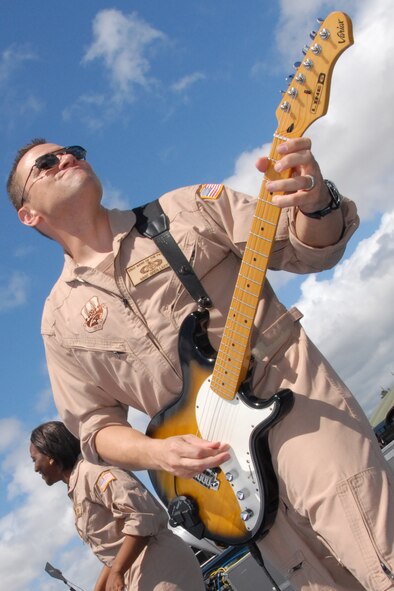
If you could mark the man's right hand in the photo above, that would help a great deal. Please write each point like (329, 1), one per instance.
(180, 455)
(187, 455)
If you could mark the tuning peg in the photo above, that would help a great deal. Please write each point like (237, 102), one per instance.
(312, 34)
(289, 78)
(320, 20)
(324, 34)
(300, 78)
(296, 65)
(305, 49)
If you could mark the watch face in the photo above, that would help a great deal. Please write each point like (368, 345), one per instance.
(336, 197)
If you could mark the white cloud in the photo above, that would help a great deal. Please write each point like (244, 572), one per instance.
(246, 177)
(14, 103)
(350, 315)
(10, 430)
(123, 42)
(187, 81)
(40, 527)
(13, 291)
(113, 198)
(352, 143)
(44, 403)
(11, 58)
(290, 34)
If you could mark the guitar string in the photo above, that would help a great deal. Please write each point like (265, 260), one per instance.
(212, 426)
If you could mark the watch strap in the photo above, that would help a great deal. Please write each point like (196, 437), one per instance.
(335, 202)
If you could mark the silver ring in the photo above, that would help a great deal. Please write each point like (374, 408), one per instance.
(313, 182)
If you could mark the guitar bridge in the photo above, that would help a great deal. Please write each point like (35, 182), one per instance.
(208, 478)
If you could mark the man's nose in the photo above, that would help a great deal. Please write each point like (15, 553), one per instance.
(66, 160)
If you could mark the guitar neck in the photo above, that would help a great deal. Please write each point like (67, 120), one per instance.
(234, 352)
(305, 101)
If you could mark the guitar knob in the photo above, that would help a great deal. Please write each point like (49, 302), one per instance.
(246, 514)
(242, 494)
(230, 476)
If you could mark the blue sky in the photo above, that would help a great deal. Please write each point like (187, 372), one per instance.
(164, 95)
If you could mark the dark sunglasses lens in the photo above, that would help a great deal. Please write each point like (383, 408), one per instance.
(77, 151)
(47, 161)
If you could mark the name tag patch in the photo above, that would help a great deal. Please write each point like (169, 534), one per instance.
(146, 268)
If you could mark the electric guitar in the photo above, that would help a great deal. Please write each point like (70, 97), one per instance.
(236, 503)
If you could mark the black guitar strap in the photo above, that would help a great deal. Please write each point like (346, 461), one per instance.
(153, 223)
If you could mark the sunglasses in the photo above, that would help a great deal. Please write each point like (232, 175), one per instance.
(48, 161)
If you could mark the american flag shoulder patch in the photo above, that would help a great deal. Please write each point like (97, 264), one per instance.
(104, 479)
(210, 191)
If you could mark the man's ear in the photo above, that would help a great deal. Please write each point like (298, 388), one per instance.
(28, 217)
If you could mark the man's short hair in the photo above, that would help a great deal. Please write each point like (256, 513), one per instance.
(13, 187)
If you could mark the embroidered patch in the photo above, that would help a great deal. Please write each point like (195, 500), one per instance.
(147, 267)
(94, 314)
(78, 510)
(104, 479)
(210, 191)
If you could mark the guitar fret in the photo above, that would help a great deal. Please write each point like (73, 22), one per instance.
(243, 303)
(225, 380)
(241, 324)
(245, 291)
(267, 221)
(230, 354)
(236, 332)
(260, 220)
(266, 239)
(252, 290)
(225, 369)
(257, 236)
(249, 279)
(266, 200)
(255, 267)
(224, 389)
(254, 251)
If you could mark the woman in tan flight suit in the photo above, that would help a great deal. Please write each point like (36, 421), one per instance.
(115, 514)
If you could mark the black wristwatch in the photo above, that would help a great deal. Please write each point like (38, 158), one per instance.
(335, 202)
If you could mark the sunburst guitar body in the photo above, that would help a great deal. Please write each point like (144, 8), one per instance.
(236, 502)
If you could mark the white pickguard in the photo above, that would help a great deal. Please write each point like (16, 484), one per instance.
(232, 422)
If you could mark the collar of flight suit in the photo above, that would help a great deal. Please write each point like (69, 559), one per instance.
(121, 223)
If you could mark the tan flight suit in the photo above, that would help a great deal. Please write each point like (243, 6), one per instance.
(111, 342)
(110, 503)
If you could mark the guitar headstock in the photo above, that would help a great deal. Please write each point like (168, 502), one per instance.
(307, 96)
